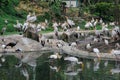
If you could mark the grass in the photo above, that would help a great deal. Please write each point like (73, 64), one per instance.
(11, 21)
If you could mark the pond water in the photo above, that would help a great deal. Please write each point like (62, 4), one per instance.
(46, 69)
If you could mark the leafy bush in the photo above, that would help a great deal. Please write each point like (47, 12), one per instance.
(103, 10)
(8, 6)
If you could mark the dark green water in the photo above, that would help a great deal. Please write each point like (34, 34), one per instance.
(65, 71)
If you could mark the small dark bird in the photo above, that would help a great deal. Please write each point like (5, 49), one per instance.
(11, 44)
(18, 50)
(43, 43)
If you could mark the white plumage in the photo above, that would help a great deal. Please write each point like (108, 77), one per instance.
(72, 59)
(3, 59)
(73, 45)
(101, 21)
(96, 50)
(3, 46)
(55, 56)
(18, 25)
(116, 70)
(78, 28)
(25, 26)
(88, 46)
(70, 22)
(31, 18)
(112, 23)
(106, 42)
(88, 25)
(92, 21)
(95, 23)
(117, 52)
(117, 45)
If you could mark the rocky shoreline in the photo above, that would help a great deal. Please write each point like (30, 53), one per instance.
(28, 45)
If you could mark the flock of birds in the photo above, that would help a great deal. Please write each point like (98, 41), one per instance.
(67, 26)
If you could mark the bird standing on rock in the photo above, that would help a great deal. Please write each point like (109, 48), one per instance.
(96, 50)
(11, 44)
(88, 46)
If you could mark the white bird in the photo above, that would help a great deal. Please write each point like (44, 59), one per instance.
(6, 21)
(92, 21)
(18, 25)
(88, 25)
(96, 50)
(3, 59)
(115, 52)
(78, 28)
(95, 23)
(64, 25)
(88, 46)
(106, 42)
(3, 46)
(113, 71)
(117, 45)
(29, 15)
(46, 21)
(112, 23)
(55, 56)
(70, 22)
(25, 26)
(32, 18)
(73, 45)
(100, 21)
(95, 40)
(73, 59)
(59, 45)
(55, 24)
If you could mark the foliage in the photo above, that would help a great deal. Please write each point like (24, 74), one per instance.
(103, 10)
(8, 6)
(55, 9)
(117, 13)
(7, 11)
(43, 4)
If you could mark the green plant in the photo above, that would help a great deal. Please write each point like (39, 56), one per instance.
(103, 10)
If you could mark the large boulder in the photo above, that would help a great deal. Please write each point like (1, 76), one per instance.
(31, 33)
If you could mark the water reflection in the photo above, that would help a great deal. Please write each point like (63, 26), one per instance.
(43, 68)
